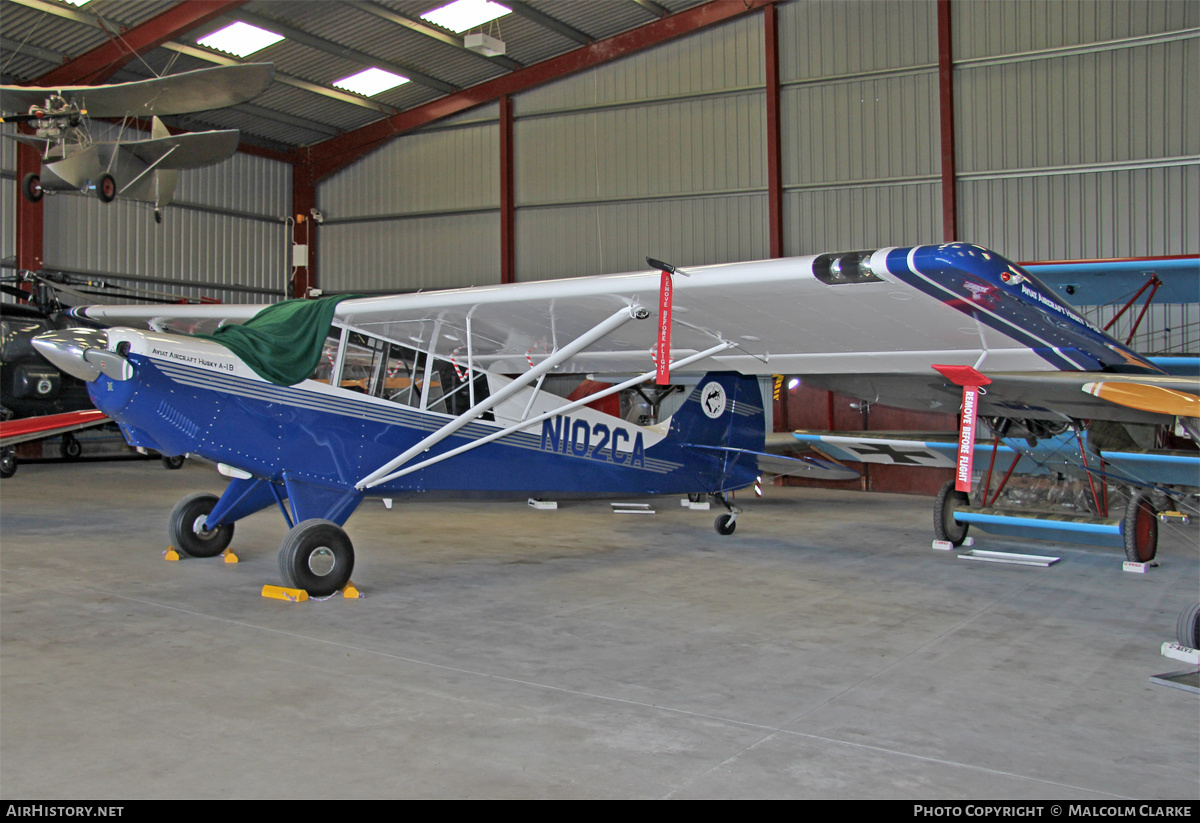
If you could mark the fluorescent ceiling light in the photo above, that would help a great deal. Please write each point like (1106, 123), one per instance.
(370, 82)
(464, 14)
(240, 39)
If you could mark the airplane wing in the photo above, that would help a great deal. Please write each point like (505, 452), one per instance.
(35, 428)
(869, 323)
(184, 151)
(1031, 395)
(191, 91)
(939, 450)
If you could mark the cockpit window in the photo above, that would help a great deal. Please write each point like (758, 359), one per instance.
(399, 374)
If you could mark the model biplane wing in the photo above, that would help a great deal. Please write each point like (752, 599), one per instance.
(48, 425)
(191, 91)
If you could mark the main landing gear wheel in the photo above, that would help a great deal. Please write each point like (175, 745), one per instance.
(725, 524)
(106, 189)
(31, 187)
(188, 530)
(1140, 529)
(1187, 629)
(945, 527)
(316, 556)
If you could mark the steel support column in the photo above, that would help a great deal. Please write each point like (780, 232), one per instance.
(30, 220)
(102, 62)
(946, 108)
(304, 201)
(774, 156)
(508, 256)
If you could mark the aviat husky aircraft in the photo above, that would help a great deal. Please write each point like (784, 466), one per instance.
(145, 170)
(412, 394)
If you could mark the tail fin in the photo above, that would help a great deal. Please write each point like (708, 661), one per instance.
(725, 409)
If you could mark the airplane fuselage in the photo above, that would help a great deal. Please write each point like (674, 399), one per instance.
(194, 396)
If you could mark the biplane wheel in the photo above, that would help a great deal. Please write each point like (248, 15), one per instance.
(31, 187)
(725, 524)
(175, 462)
(157, 216)
(106, 190)
(187, 531)
(70, 448)
(945, 527)
(1140, 529)
(316, 556)
(1187, 628)
(8, 463)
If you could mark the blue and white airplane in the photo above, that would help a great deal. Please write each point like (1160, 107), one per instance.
(441, 392)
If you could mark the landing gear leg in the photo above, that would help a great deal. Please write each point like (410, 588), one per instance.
(726, 523)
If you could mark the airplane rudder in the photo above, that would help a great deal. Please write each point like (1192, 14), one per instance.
(725, 409)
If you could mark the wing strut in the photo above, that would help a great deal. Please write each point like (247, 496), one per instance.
(556, 358)
(524, 424)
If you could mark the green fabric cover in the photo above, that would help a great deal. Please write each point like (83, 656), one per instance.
(283, 342)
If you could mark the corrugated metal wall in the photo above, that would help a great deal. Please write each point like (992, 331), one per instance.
(662, 153)
(859, 123)
(1078, 127)
(422, 212)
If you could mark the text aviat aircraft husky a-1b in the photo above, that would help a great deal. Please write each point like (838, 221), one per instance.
(413, 394)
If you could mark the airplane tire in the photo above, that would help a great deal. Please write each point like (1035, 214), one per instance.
(1140, 529)
(106, 190)
(725, 524)
(70, 448)
(945, 527)
(1187, 629)
(31, 187)
(175, 462)
(189, 536)
(8, 463)
(316, 556)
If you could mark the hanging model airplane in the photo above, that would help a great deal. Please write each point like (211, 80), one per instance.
(412, 394)
(144, 170)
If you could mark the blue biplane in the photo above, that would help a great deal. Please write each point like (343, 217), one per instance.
(442, 393)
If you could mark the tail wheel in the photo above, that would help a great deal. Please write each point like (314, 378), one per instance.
(174, 462)
(31, 187)
(1140, 529)
(945, 527)
(188, 529)
(8, 463)
(71, 448)
(316, 556)
(106, 190)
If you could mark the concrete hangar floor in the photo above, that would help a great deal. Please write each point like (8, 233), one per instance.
(824, 650)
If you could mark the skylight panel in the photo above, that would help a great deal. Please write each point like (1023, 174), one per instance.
(240, 39)
(465, 14)
(370, 82)
(77, 2)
